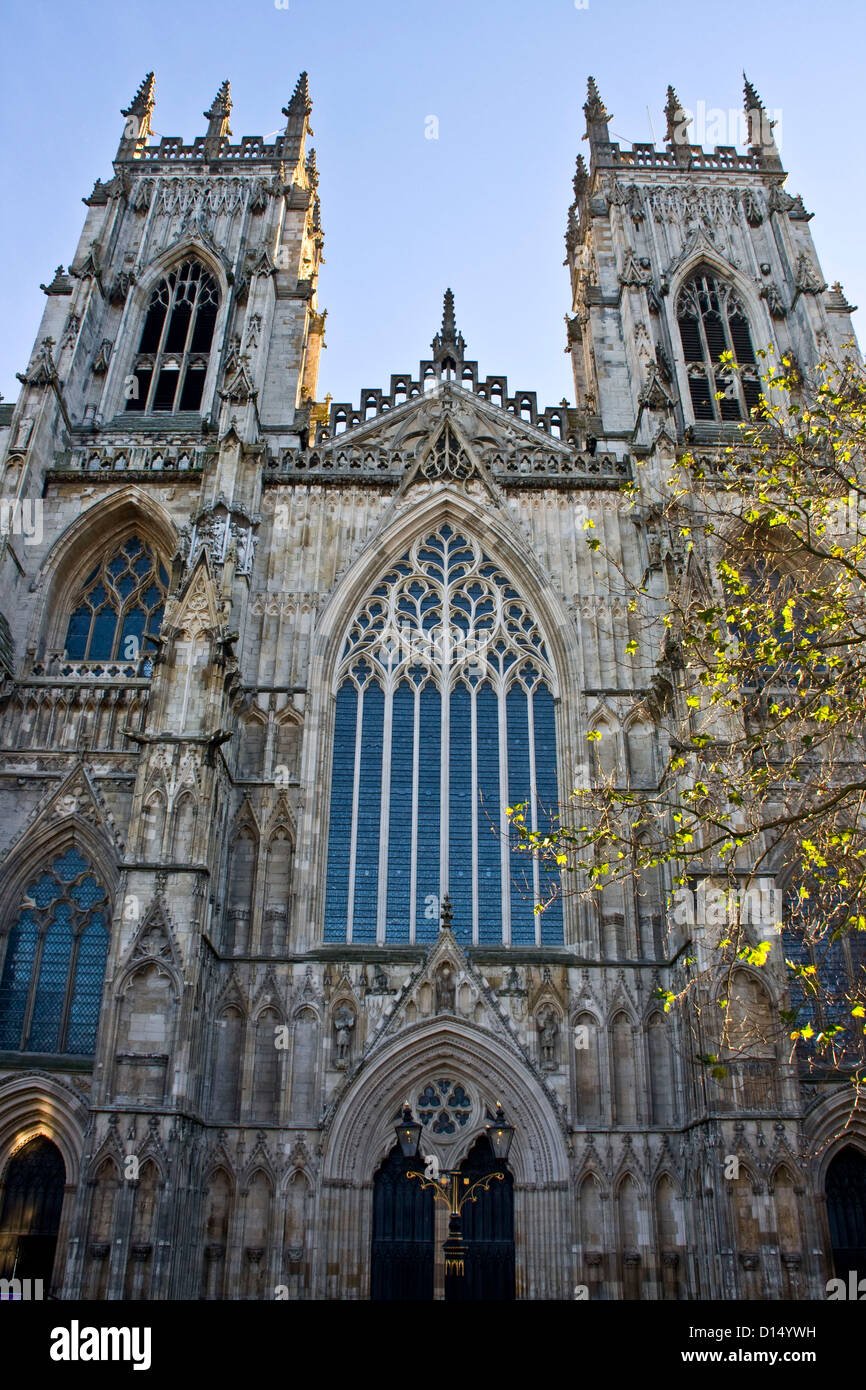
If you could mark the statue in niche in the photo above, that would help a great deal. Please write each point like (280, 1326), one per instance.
(446, 990)
(548, 1031)
(344, 1022)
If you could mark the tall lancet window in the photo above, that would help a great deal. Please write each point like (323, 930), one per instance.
(444, 715)
(170, 366)
(712, 321)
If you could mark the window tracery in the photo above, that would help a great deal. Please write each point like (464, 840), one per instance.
(712, 321)
(444, 714)
(119, 606)
(51, 985)
(171, 363)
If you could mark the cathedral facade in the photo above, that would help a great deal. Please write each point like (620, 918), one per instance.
(273, 667)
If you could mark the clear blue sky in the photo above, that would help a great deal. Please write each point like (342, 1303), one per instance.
(482, 208)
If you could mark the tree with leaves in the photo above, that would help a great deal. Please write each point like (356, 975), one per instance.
(757, 817)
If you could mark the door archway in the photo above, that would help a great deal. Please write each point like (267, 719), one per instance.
(846, 1210)
(488, 1228)
(402, 1259)
(30, 1212)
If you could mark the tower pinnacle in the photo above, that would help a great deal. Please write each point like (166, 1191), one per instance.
(448, 345)
(218, 118)
(138, 114)
(597, 116)
(761, 140)
(297, 115)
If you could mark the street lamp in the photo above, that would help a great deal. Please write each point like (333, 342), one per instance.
(448, 1185)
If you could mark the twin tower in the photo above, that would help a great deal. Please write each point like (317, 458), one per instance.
(272, 668)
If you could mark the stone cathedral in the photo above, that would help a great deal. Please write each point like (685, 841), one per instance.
(272, 667)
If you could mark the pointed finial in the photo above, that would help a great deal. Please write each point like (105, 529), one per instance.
(449, 327)
(447, 913)
(448, 345)
(677, 125)
(300, 101)
(137, 114)
(594, 107)
(751, 99)
(142, 102)
(760, 127)
(222, 103)
(581, 177)
(218, 120)
(312, 170)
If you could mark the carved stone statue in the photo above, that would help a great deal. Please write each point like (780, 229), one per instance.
(344, 1022)
(445, 990)
(548, 1030)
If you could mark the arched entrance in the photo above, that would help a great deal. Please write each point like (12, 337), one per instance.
(488, 1228)
(402, 1256)
(846, 1209)
(30, 1214)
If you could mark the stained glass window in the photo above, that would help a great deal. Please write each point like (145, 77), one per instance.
(169, 369)
(119, 606)
(712, 321)
(444, 708)
(54, 962)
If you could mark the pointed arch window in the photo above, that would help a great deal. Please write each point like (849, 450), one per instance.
(444, 714)
(712, 321)
(170, 366)
(119, 606)
(54, 963)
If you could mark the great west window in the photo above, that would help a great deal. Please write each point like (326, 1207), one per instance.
(444, 715)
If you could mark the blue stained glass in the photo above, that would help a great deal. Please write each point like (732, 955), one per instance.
(460, 813)
(15, 985)
(87, 892)
(125, 585)
(76, 636)
(548, 803)
(133, 626)
(87, 990)
(519, 790)
(429, 772)
(369, 816)
(43, 890)
(69, 865)
(51, 988)
(400, 820)
(340, 832)
(102, 641)
(489, 845)
(446, 580)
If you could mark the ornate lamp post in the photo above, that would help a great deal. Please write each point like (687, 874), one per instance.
(449, 1184)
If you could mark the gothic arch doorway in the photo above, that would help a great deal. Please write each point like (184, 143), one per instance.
(488, 1228)
(402, 1259)
(846, 1210)
(30, 1212)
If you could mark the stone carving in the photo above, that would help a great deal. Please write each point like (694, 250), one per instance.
(344, 1022)
(446, 989)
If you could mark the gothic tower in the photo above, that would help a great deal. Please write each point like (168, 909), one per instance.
(272, 670)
